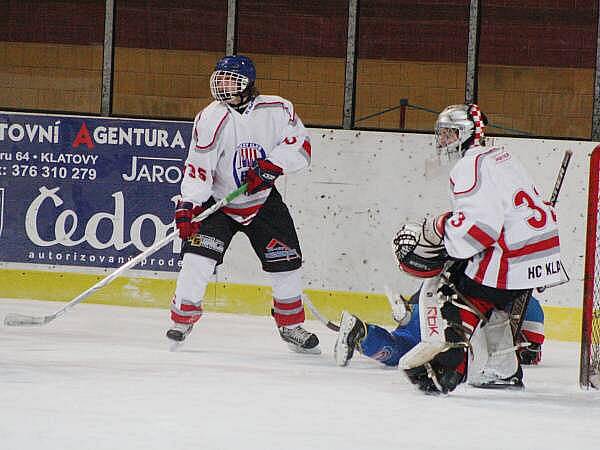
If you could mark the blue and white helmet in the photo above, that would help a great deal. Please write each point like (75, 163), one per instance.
(233, 75)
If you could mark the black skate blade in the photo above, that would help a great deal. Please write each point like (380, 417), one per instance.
(307, 351)
(501, 386)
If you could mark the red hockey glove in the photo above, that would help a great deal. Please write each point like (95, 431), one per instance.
(184, 213)
(262, 175)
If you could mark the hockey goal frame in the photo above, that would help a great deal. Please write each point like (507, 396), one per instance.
(589, 369)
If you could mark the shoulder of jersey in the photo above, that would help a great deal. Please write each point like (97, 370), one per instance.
(274, 101)
(466, 174)
(207, 125)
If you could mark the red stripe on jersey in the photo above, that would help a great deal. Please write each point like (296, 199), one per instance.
(242, 211)
(529, 249)
(546, 244)
(200, 147)
(476, 172)
(291, 114)
(307, 148)
(503, 269)
(483, 265)
(480, 236)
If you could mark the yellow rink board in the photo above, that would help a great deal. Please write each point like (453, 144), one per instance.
(561, 323)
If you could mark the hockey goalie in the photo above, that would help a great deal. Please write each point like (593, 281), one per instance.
(499, 242)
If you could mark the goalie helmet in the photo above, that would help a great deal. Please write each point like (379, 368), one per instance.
(234, 76)
(457, 128)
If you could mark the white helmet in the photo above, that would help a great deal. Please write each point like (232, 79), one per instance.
(459, 127)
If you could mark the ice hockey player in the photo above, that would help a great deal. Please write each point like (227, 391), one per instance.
(388, 347)
(242, 137)
(499, 241)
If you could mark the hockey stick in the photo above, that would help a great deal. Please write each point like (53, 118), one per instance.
(328, 323)
(396, 310)
(19, 320)
(519, 305)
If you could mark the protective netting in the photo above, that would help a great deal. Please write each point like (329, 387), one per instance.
(594, 371)
(595, 313)
(590, 338)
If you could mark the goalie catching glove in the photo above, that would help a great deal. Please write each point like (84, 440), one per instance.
(419, 247)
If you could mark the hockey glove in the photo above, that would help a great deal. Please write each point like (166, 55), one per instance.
(184, 213)
(262, 175)
(438, 380)
(419, 247)
(531, 355)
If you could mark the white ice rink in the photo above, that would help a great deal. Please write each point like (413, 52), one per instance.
(102, 378)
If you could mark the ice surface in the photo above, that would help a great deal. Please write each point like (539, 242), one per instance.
(102, 378)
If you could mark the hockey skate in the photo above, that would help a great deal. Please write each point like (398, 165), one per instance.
(514, 382)
(300, 340)
(352, 331)
(177, 334)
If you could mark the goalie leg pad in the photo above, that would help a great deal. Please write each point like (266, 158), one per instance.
(437, 363)
(493, 356)
(446, 352)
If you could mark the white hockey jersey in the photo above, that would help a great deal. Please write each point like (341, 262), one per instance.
(225, 144)
(501, 223)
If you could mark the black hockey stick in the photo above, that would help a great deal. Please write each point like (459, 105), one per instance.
(519, 305)
(19, 320)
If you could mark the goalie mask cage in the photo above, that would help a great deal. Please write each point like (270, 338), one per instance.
(589, 371)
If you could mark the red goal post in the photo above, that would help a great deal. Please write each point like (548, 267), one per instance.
(589, 372)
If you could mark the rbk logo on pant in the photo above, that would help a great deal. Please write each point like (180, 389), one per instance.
(279, 251)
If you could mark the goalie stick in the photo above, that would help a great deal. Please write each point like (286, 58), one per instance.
(19, 320)
(396, 309)
(519, 305)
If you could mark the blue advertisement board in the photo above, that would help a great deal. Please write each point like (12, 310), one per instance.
(87, 191)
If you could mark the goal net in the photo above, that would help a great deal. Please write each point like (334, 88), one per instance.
(589, 373)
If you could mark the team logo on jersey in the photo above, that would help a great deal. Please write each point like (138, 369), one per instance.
(245, 155)
(278, 251)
